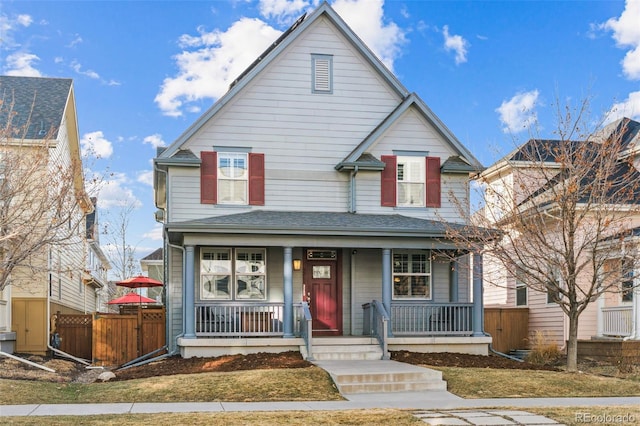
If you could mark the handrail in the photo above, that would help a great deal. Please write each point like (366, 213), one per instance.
(376, 324)
(306, 329)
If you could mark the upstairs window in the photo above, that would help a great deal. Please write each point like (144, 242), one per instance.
(410, 181)
(521, 288)
(232, 178)
(411, 275)
(321, 73)
(627, 280)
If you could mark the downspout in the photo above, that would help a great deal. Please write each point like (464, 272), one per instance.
(352, 178)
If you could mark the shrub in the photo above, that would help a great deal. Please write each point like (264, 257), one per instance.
(543, 350)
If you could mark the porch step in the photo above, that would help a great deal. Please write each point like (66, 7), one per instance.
(368, 376)
(344, 348)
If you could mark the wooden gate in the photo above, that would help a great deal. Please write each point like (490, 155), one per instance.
(509, 327)
(75, 334)
(120, 338)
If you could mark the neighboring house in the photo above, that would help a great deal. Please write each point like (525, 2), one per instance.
(616, 314)
(53, 278)
(317, 192)
(97, 265)
(152, 266)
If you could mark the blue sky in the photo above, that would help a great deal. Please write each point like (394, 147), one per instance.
(144, 71)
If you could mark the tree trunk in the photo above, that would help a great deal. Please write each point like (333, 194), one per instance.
(572, 343)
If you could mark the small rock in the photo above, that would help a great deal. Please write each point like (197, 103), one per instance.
(106, 376)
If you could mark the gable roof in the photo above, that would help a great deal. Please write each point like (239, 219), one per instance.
(37, 105)
(413, 100)
(324, 10)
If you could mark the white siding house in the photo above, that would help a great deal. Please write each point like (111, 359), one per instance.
(313, 199)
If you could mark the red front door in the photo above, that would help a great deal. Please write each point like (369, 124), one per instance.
(323, 292)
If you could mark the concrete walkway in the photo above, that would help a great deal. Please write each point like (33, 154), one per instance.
(436, 407)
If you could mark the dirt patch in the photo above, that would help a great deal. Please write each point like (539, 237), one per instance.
(69, 371)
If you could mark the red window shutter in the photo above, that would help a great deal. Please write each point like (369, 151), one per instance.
(388, 181)
(432, 197)
(208, 177)
(256, 179)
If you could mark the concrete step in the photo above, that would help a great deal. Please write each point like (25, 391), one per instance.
(344, 348)
(365, 376)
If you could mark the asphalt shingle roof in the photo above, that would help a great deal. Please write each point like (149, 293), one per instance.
(44, 99)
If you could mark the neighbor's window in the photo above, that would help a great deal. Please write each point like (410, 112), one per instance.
(412, 274)
(627, 280)
(521, 288)
(411, 180)
(227, 274)
(553, 291)
(233, 178)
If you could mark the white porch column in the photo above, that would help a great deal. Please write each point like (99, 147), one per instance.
(287, 310)
(635, 323)
(188, 292)
(478, 304)
(600, 316)
(386, 283)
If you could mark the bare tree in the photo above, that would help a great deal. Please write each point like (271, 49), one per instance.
(121, 251)
(42, 198)
(561, 206)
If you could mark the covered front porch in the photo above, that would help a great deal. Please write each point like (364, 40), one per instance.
(391, 280)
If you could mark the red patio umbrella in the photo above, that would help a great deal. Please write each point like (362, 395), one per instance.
(139, 282)
(131, 298)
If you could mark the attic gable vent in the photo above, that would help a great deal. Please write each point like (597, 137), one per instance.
(322, 69)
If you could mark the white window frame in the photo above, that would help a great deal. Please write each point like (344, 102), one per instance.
(411, 171)
(521, 285)
(234, 271)
(231, 177)
(412, 277)
(557, 276)
(321, 73)
(627, 279)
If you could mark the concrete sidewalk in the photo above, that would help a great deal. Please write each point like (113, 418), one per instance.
(429, 400)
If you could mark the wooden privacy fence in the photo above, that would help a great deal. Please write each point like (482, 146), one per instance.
(112, 339)
(509, 327)
(120, 338)
(75, 336)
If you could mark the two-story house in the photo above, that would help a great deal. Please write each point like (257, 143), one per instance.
(526, 175)
(41, 158)
(311, 203)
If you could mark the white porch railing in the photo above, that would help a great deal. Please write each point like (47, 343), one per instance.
(239, 319)
(376, 323)
(617, 321)
(431, 319)
(4, 320)
(304, 326)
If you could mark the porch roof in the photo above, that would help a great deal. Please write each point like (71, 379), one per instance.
(318, 223)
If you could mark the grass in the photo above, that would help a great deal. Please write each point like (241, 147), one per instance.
(492, 383)
(306, 384)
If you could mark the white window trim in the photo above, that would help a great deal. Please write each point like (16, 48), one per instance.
(420, 161)
(222, 178)
(428, 276)
(519, 285)
(316, 61)
(233, 273)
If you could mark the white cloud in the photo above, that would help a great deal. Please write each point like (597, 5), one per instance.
(282, 10)
(211, 61)
(155, 140)
(114, 192)
(366, 19)
(456, 43)
(629, 108)
(24, 20)
(626, 32)
(146, 177)
(75, 65)
(21, 64)
(155, 234)
(517, 114)
(8, 25)
(95, 144)
(75, 41)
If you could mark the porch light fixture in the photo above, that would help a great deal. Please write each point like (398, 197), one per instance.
(297, 264)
